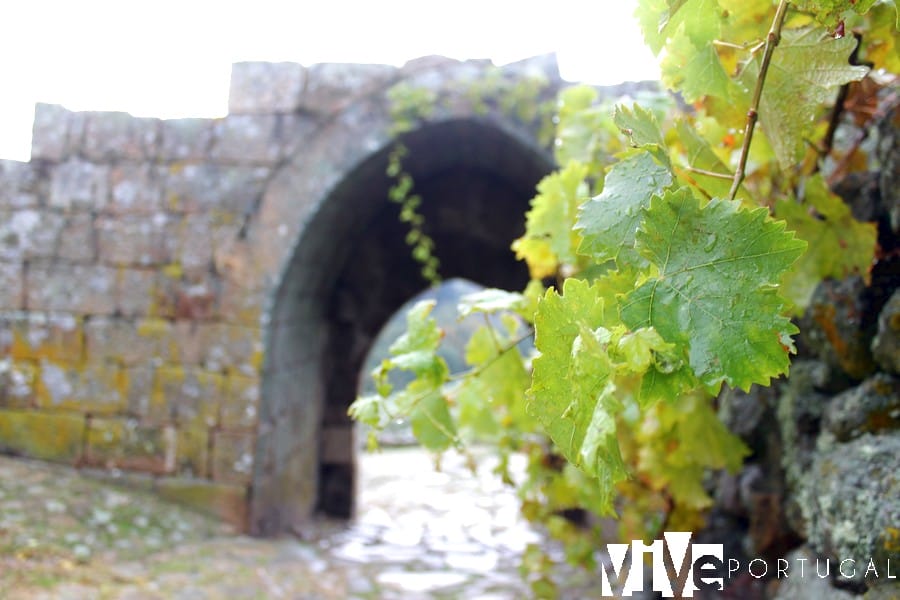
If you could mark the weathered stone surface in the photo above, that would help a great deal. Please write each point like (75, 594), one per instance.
(134, 291)
(235, 189)
(77, 242)
(227, 502)
(259, 87)
(834, 326)
(18, 384)
(886, 344)
(84, 289)
(236, 349)
(135, 189)
(79, 185)
(232, 457)
(56, 132)
(239, 407)
(195, 242)
(136, 240)
(192, 395)
(11, 286)
(116, 135)
(125, 444)
(185, 139)
(331, 86)
(246, 140)
(49, 436)
(180, 295)
(29, 233)
(93, 388)
(871, 407)
(145, 341)
(851, 500)
(52, 336)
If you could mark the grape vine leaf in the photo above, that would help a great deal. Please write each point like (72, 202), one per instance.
(571, 392)
(422, 400)
(693, 71)
(838, 244)
(715, 289)
(549, 238)
(638, 124)
(701, 156)
(607, 222)
(828, 12)
(807, 68)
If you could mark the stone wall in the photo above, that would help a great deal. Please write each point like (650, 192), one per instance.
(180, 299)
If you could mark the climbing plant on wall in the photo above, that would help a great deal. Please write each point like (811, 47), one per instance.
(668, 255)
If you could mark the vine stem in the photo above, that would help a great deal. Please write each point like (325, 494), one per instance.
(772, 40)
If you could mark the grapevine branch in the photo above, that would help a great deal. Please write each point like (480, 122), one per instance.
(772, 40)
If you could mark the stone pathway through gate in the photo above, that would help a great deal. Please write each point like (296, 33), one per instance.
(420, 534)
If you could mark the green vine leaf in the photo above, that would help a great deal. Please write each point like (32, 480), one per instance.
(839, 245)
(828, 12)
(572, 394)
(807, 69)
(549, 238)
(715, 288)
(638, 124)
(607, 222)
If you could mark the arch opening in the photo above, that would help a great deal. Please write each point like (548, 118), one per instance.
(350, 272)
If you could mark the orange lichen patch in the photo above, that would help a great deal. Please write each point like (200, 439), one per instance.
(856, 364)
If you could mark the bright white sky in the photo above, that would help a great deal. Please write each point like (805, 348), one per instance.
(172, 58)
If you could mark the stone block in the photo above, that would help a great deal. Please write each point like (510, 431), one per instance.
(136, 240)
(135, 189)
(190, 395)
(331, 86)
(47, 436)
(50, 336)
(232, 456)
(190, 341)
(240, 406)
(27, 234)
(240, 305)
(246, 139)
(126, 444)
(886, 344)
(185, 139)
(77, 243)
(225, 501)
(79, 185)
(12, 287)
(118, 135)
(135, 291)
(234, 348)
(197, 188)
(180, 295)
(128, 342)
(260, 87)
(56, 132)
(195, 242)
(18, 184)
(93, 387)
(85, 289)
(140, 391)
(18, 383)
(192, 451)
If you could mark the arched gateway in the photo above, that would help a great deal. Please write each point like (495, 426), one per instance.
(186, 303)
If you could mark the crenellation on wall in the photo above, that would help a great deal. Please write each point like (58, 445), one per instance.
(57, 133)
(113, 136)
(263, 88)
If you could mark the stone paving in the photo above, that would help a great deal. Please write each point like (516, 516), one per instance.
(420, 533)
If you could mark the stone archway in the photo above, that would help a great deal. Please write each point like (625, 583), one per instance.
(349, 271)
